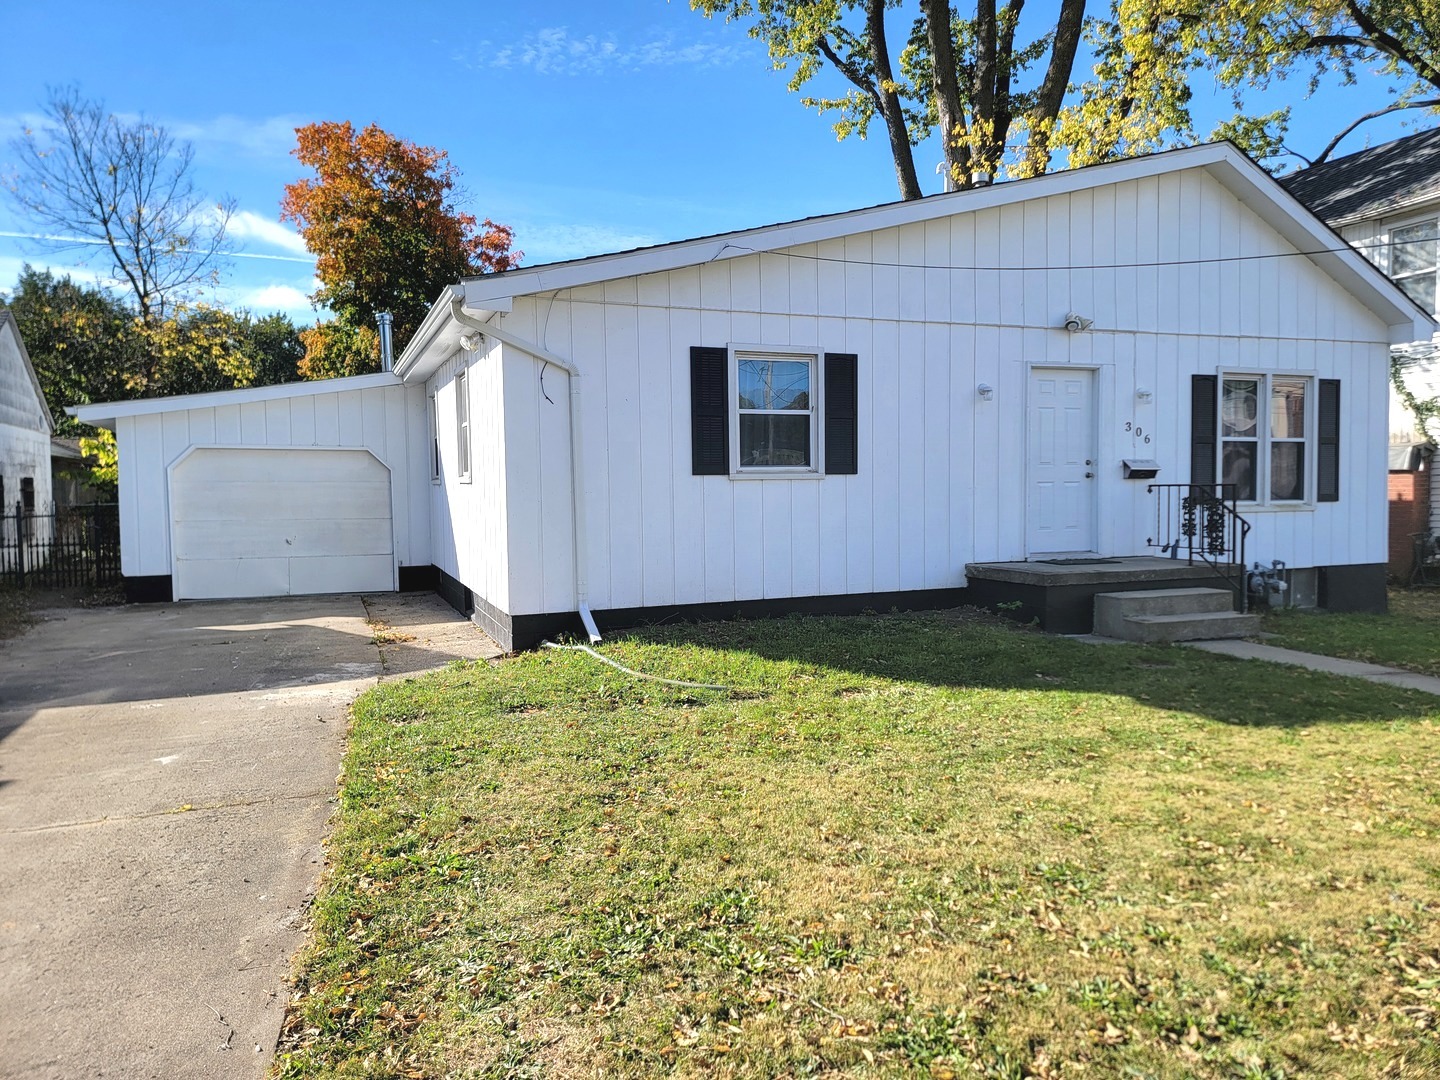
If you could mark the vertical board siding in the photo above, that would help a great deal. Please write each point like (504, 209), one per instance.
(941, 472)
(151, 444)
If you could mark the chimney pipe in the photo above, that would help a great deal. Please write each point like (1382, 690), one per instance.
(387, 353)
(980, 179)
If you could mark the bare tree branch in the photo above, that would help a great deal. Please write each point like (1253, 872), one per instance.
(1428, 103)
(127, 187)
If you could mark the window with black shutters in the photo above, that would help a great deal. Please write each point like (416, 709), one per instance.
(758, 411)
(1269, 437)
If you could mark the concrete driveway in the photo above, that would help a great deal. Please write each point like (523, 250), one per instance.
(166, 773)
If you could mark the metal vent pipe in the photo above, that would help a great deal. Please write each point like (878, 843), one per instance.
(387, 350)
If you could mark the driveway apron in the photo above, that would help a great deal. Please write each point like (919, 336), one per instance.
(166, 773)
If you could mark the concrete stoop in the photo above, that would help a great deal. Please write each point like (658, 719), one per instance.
(1157, 616)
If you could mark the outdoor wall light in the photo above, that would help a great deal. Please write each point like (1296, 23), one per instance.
(1144, 393)
(986, 391)
(1076, 324)
(472, 342)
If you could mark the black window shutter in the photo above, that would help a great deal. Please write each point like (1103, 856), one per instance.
(1202, 429)
(709, 411)
(842, 444)
(1327, 488)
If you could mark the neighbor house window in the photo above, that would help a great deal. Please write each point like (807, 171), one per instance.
(1413, 261)
(27, 494)
(776, 415)
(434, 440)
(1265, 434)
(462, 424)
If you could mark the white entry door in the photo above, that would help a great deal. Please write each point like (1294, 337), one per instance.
(1060, 443)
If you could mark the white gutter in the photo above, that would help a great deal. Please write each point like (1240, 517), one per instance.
(577, 485)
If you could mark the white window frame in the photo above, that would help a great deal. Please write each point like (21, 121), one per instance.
(815, 356)
(433, 414)
(1264, 441)
(462, 425)
(1408, 223)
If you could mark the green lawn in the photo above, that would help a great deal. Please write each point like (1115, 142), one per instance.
(1408, 637)
(902, 845)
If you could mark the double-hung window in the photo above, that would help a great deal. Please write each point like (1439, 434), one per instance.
(462, 424)
(1413, 260)
(776, 417)
(1266, 434)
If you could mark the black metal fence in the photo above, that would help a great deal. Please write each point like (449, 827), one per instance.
(64, 547)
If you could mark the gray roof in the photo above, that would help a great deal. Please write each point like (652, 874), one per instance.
(1371, 183)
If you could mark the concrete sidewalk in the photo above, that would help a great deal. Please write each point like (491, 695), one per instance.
(1376, 673)
(166, 775)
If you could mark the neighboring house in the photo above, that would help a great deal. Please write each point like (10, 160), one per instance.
(25, 429)
(1385, 200)
(846, 411)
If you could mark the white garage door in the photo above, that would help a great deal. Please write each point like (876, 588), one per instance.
(280, 522)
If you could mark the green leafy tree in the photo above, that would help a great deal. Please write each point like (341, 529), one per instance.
(1150, 52)
(82, 341)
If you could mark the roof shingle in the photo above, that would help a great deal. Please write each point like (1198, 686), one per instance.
(1373, 182)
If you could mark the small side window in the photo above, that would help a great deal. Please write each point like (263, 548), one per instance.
(462, 425)
(434, 417)
(27, 493)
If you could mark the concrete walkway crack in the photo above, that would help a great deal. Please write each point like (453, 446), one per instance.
(269, 800)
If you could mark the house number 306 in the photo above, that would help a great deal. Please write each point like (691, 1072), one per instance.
(1138, 432)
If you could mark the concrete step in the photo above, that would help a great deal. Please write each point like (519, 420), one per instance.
(1113, 608)
(1205, 626)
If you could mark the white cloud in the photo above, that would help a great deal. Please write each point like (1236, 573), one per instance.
(284, 298)
(554, 50)
(556, 242)
(248, 225)
(268, 137)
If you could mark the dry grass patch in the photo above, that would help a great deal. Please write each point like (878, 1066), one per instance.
(905, 844)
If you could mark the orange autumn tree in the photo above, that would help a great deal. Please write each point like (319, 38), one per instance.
(380, 218)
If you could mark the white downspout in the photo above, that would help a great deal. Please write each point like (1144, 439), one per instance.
(577, 444)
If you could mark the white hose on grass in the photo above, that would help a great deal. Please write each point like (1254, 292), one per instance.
(632, 671)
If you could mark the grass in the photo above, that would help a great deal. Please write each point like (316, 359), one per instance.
(903, 845)
(1408, 637)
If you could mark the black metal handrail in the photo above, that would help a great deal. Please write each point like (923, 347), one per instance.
(1201, 522)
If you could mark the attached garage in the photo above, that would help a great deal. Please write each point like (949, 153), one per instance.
(249, 522)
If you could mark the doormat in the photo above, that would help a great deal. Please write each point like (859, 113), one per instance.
(1079, 562)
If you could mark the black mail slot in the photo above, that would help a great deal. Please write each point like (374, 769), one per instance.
(1140, 468)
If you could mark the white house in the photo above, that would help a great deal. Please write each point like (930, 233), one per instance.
(834, 413)
(25, 428)
(1385, 200)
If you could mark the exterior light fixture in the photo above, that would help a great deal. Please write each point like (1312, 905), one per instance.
(986, 391)
(1076, 324)
(1144, 393)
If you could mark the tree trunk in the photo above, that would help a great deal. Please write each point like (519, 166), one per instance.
(1057, 80)
(937, 14)
(889, 102)
(982, 94)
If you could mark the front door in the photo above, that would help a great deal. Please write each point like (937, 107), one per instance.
(1060, 445)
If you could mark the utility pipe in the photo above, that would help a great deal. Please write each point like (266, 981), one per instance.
(577, 485)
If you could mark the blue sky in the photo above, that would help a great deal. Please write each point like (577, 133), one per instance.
(588, 127)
